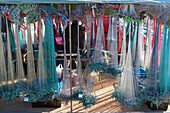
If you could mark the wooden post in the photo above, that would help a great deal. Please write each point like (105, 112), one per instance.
(70, 58)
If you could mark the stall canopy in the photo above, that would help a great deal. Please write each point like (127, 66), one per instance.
(165, 2)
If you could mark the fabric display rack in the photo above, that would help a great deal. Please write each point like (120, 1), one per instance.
(48, 47)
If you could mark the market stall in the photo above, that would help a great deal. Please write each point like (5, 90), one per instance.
(58, 50)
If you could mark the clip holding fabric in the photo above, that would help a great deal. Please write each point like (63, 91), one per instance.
(42, 9)
(22, 26)
(8, 15)
(80, 17)
(64, 18)
(139, 11)
(86, 26)
(128, 19)
(23, 15)
(138, 21)
(89, 13)
(116, 13)
(104, 17)
(105, 5)
(50, 21)
(160, 20)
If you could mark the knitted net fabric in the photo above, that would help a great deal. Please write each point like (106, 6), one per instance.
(113, 48)
(112, 68)
(30, 57)
(98, 61)
(3, 72)
(164, 76)
(65, 93)
(50, 61)
(79, 89)
(125, 92)
(151, 89)
(148, 46)
(109, 34)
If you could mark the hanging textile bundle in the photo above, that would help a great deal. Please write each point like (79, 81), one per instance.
(109, 34)
(138, 61)
(43, 92)
(79, 94)
(50, 61)
(13, 46)
(21, 84)
(3, 73)
(10, 91)
(164, 76)
(30, 57)
(164, 68)
(87, 98)
(125, 92)
(113, 67)
(38, 90)
(79, 90)
(148, 46)
(65, 92)
(151, 89)
(123, 50)
(98, 63)
(103, 35)
(134, 39)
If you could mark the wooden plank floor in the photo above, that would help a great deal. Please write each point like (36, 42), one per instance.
(104, 104)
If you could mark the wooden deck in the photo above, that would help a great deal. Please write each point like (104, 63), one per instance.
(104, 104)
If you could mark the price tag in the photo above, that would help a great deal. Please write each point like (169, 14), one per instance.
(26, 99)
(80, 96)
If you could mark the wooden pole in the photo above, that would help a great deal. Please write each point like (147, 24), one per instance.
(70, 58)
